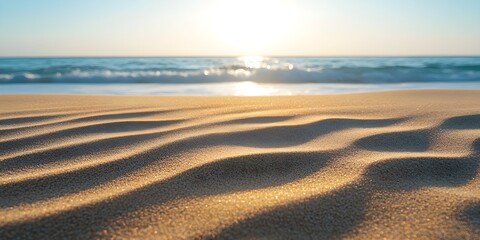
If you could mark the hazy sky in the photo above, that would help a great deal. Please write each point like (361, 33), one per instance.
(239, 27)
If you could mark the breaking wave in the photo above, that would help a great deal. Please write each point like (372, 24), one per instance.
(257, 69)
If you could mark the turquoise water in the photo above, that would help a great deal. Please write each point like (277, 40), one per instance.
(222, 75)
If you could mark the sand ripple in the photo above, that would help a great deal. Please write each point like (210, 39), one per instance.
(346, 166)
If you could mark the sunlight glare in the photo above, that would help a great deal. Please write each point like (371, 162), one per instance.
(252, 25)
(251, 89)
(254, 62)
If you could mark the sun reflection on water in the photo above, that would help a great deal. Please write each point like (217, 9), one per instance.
(252, 89)
(254, 62)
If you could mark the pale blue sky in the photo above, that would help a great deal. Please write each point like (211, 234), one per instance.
(238, 27)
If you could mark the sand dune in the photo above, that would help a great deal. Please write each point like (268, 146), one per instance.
(379, 165)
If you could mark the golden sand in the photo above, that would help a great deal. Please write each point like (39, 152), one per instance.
(394, 165)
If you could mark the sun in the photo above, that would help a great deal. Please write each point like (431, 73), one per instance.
(251, 26)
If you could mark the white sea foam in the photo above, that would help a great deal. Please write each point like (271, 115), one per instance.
(6, 76)
(257, 69)
(31, 76)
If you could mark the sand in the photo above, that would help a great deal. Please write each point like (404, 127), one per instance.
(396, 165)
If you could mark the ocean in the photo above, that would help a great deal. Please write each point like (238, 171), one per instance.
(253, 75)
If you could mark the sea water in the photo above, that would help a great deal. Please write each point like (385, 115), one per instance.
(252, 75)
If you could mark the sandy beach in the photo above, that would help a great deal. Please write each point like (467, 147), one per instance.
(395, 165)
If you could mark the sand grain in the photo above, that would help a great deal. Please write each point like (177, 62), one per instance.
(396, 165)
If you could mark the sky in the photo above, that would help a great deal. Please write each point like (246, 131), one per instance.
(239, 27)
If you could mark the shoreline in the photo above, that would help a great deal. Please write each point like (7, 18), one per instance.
(224, 89)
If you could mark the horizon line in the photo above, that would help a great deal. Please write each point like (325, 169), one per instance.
(235, 56)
